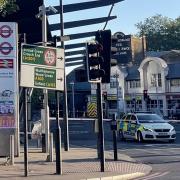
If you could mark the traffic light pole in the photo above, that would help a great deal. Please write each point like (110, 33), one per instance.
(100, 126)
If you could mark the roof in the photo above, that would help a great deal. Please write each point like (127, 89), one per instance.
(170, 57)
(133, 73)
(174, 71)
(156, 53)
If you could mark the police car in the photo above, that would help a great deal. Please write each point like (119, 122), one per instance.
(145, 126)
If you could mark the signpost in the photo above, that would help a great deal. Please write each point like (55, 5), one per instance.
(42, 67)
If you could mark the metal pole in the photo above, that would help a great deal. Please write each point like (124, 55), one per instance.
(115, 139)
(12, 149)
(51, 157)
(58, 130)
(58, 138)
(65, 114)
(117, 86)
(25, 133)
(46, 118)
(101, 128)
(73, 105)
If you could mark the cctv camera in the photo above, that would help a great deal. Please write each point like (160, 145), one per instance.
(53, 9)
(38, 16)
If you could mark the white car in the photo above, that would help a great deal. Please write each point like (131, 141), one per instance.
(145, 126)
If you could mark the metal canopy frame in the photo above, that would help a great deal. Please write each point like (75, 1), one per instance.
(73, 24)
(84, 5)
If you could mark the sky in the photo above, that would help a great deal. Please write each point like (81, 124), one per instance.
(128, 12)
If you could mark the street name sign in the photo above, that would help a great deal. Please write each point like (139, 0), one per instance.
(42, 67)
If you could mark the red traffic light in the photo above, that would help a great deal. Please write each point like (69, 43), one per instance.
(145, 94)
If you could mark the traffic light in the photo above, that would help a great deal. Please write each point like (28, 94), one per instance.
(94, 61)
(104, 38)
(105, 96)
(98, 55)
(145, 95)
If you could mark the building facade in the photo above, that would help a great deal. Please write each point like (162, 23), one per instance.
(158, 74)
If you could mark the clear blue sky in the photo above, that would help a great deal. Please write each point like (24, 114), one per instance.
(128, 12)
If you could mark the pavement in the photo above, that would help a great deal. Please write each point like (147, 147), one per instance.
(79, 163)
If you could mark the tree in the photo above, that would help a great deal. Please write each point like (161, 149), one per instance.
(162, 33)
(8, 7)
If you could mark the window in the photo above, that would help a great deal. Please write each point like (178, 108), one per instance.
(133, 118)
(128, 118)
(135, 84)
(112, 104)
(113, 83)
(159, 80)
(175, 82)
(156, 80)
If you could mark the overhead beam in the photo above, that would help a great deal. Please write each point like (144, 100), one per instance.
(77, 45)
(73, 24)
(79, 58)
(74, 64)
(82, 6)
(79, 35)
(72, 53)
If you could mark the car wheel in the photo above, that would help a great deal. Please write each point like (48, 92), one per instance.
(139, 137)
(121, 135)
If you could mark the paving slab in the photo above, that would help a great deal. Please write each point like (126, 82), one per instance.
(77, 164)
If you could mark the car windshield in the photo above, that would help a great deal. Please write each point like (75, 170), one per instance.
(150, 118)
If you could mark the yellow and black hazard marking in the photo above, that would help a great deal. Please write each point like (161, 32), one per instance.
(92, 109)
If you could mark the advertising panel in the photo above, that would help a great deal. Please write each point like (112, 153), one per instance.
(124, 50)
(8, 75)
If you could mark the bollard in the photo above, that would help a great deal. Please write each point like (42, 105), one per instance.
(38, 142)
(51, 148)
(11, 149)
(114, 130)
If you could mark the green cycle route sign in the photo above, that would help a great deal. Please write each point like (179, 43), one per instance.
(42, 67)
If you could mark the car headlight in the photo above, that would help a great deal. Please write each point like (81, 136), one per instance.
(172, 129)
(147, 129)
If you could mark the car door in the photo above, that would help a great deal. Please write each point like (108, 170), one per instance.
(133, 126)
(127, 126)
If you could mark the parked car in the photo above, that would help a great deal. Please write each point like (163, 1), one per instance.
(145, 126)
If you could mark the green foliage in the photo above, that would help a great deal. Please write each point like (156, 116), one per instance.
(162, 33)
(8, 7)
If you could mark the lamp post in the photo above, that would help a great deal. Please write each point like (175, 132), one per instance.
(45, 92)
(156, 81)
(73, 105)
(65, 114)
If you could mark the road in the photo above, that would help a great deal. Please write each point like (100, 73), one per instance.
(163, 157)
